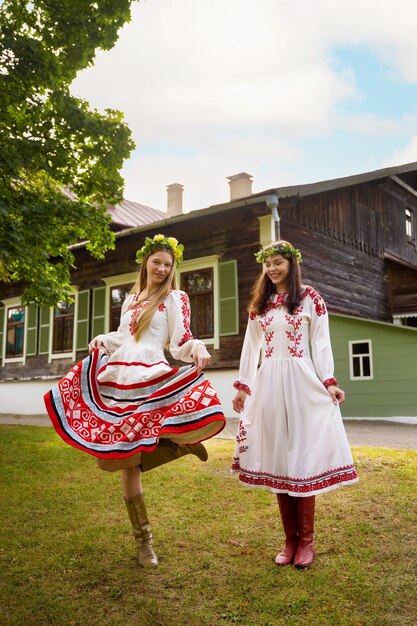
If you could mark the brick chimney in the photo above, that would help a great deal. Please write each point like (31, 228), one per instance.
(240, 185)
(174, 206)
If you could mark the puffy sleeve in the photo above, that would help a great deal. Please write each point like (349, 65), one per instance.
(114, 340)
(249, 358)
(181, 340)
(321, 349)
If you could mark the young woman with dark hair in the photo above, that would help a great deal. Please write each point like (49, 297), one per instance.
(291, 438)
(125, 404)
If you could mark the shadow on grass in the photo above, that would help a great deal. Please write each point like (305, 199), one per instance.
(67, 555)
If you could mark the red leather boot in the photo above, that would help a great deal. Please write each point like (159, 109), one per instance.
(288, 510)
(305, 519)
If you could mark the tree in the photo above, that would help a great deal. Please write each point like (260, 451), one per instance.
(59, 160)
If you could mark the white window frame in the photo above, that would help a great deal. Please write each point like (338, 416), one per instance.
(63, 355)
(207, 262)
(115, 281)
(409, 223)
(352, 356)
(12, 303)
(398, 320)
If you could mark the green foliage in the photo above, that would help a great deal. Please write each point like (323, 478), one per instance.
(59, 160)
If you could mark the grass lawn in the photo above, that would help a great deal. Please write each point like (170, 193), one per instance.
(67, 556)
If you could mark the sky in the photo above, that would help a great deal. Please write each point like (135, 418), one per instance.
(289, 91)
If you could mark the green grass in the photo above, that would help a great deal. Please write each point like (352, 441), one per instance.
(67, 556)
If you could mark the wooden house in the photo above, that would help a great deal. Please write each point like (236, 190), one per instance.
(358, 239)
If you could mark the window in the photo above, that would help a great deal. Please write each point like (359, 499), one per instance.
(199, 278)
(360, 360)
(108, 301)
(410, 319)
(212, 287)
(15, 332)
(118, 294)
(409, 223)
(63, 328)
(199, 287)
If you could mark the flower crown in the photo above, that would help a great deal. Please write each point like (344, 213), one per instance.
(160, 240)
(285, 249)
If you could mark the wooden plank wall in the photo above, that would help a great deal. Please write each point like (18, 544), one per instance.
(344, 236)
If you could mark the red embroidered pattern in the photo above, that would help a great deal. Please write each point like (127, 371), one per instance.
(186, 315)
(267, 334)
(241, 437)
(278, 302)
(317, 301)
(69, 407)
(294, 336)
(339, 476)
(245, 388)
(134, 320)
(330, 381)
(162, 307)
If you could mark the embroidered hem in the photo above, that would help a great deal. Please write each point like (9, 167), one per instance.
(328, 480)
(183, 406)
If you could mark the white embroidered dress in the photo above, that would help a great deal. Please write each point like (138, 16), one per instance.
(291, 436)
(115, 403)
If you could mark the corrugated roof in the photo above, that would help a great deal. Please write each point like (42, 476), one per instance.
(129, 214)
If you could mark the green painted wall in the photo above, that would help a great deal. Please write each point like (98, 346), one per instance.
(393, 390)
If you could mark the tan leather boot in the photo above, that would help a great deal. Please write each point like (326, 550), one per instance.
(141, 530)
(288, 510)
(167, 451)
(305, 516)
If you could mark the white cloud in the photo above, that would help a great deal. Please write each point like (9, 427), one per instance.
(407, 154)
(371, 124)
(231, 85)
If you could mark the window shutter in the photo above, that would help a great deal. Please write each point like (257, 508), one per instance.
(229, 299)
(2, 323)
(83, 305)
(32, 329)
(45, 321)
(99, 305)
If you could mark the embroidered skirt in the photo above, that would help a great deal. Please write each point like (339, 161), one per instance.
(291, 437)
(115, 421)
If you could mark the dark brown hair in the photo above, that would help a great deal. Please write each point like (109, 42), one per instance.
(263, 287)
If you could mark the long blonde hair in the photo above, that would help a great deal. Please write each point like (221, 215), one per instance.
(160, 294)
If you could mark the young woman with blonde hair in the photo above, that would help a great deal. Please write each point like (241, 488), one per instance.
(125, 404)
(291, 438)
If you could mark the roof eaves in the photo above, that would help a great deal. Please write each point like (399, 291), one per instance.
(336, 183)
(370, 321)
(213, 209)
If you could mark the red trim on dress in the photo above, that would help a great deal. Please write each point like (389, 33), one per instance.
(146, 383)
(128, 363)
(296, 485)
(216, 417)
(330, 381)
(242, 387)
(143, 427)
(317, 301)
(186, 316)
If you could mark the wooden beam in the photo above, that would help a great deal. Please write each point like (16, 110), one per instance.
(404, 185)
